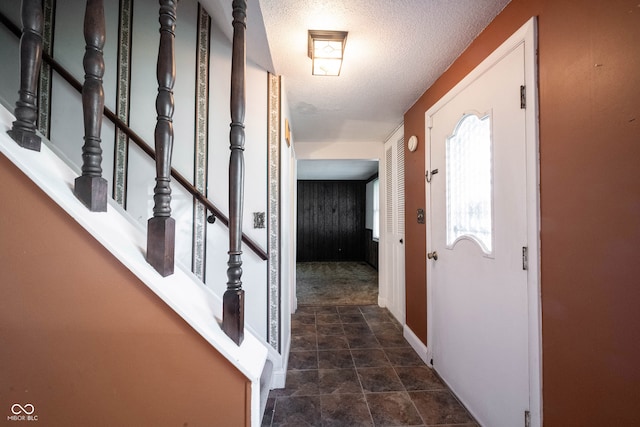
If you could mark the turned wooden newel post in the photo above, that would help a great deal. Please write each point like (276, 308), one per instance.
(233, 299)
(23, 130)
(161, 229)
(90, 187)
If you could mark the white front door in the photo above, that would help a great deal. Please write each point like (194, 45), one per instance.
(478, 229)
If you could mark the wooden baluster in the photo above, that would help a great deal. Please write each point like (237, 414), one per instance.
(161, 227)
(90, 187)
(23, 130)
(233, 299)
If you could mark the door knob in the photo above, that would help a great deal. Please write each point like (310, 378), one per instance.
(433, 255)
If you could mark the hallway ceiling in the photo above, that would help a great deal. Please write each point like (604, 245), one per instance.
(395, 50)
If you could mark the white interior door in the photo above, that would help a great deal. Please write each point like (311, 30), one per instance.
(478, 229)
(394, 227)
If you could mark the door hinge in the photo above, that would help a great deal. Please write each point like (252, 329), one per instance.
(525, 258)
(523, 97)
(527, 419)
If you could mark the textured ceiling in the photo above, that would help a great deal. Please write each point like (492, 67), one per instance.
(395, 50)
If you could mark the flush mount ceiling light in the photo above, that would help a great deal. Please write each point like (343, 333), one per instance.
(326, 49)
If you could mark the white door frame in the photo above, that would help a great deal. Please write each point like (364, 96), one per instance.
(527, 34)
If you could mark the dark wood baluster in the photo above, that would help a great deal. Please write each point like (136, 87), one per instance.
(23, 130)
(90, 187)
(233, 299)
(161, 228)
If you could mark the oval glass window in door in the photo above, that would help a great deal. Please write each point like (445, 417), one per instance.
(469, 186)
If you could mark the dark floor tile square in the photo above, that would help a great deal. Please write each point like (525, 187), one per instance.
(307, 319)
(363, 341)
(297, 411)
(395, 322)
(369, 358)
(345, 410)
(303, 360)
(338, 381)
(335, 359)
(403, 356)
(373, 309)
(332, 342)
(304, 343)
(298, 383)
(419, 378)
(385, 328)
(326, 309)
(392, 409)
(379, 379)
(440, 407)
(327, 318)
(352, 318)
(376, 316)
(391, 339)
(330, 329)
(354, 329)
(299, 328)
(349, 309)
(305, 309)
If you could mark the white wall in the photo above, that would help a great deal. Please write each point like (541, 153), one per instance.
(9, 67)
(255, 189)
(338, 150)
(66, 103)
(67, 128)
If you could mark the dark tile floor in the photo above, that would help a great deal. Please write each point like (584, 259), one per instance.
(351, 366)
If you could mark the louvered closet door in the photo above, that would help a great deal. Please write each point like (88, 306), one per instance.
(394, 226)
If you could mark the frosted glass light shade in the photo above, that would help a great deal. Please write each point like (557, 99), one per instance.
(326, 67)
(326, 50)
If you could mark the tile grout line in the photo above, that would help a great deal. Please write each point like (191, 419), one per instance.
(366, 401)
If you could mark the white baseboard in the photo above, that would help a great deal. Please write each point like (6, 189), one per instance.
(280, 364)
(278, 379)
(417, 345)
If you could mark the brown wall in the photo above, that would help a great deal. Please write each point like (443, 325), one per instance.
(88, 344)
(589, 77)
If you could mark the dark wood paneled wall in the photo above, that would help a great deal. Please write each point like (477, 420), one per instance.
(331, 220)
(370, 249)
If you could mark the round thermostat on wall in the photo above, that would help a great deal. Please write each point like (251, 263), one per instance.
(412, 144)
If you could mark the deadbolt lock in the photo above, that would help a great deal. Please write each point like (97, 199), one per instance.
(433, 255)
